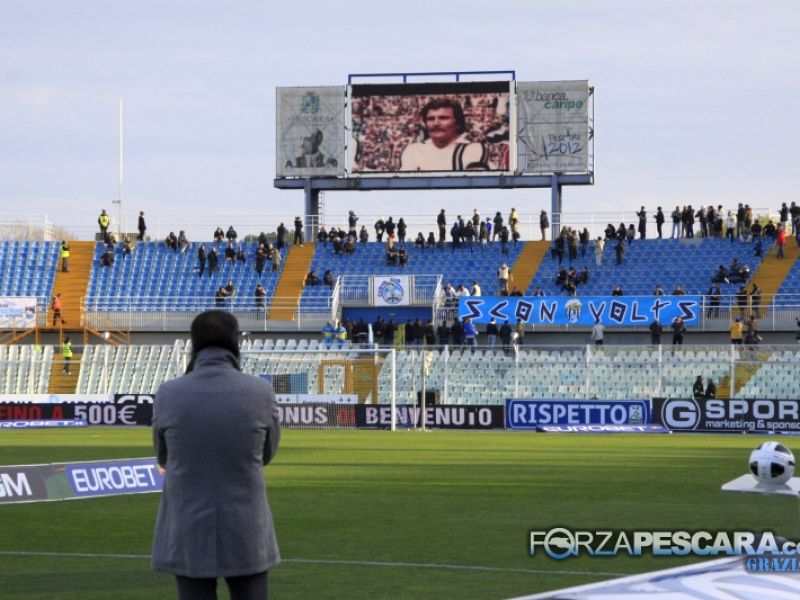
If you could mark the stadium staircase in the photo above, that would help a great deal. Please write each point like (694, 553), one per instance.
(72, 285)
(528, 263)
(60, 382)
(772, 272)
(290, 286)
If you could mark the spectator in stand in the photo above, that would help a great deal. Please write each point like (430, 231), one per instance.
(715, 294)
(231, 234)
(475, 290)
(56, 305)
(505, 337)
(678, 290)
(260, 295)
(598, 332)
(491, 333)
(658, 290)
(655, 332)
(322, 236)
(261, 260)
(483, 234)
(352, 222)
(610, 232)
(431, 242)
(363, 235)
(328, 279)
(298, 232)
(281, 233)
(219, 235)
(659, 222)
(769, 231)
(504, 241)
(755, 234)
(677, 232)
(127, 247)
(583, 239)
(219, 297)
(390, 228)
(544, 223)
(201, 259)
(489, 227)
(183, 241)
(240, 257)
(617, 291)
(748, 222)
(741, 299)
(457, 329)
(503, 274)
(642, 214)
(689, 221)
(402, 256)
(583, 278)
(470, 333)
(678, 331)
(171, 241)
(107, 260)
(498, 224)
(730, 226)
(103, 221)
(389, 331)
(697, 389)
(443, 334)
(213, 261)
(572, 245)
(737, 331)
(380, 229)
(230, 290)
(230, 252)
(619, 250)
(519, 330)
(599, 246)
(469, 235)
(703, 218)
(755, 300)
(516, 292)
(429, 334)
(630, 234)
(142, 226)
(401, 230)
(781, 239)
(711, 389)
(312, 278)
(441, 224)
(392, 256)
(64, 254)
(276, 259)
(419, 243)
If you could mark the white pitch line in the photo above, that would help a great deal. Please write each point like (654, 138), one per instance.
(356, 563)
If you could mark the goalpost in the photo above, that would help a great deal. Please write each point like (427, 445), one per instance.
(320, 388)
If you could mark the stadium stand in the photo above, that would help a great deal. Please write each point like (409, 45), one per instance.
(156, 278)
(128, 369)
(690, 263)
(28, 268)
(24, 370)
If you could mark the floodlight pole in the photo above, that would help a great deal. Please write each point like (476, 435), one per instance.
(555, 206)
(312, 224)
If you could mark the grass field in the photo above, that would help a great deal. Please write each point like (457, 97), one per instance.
(368, 514)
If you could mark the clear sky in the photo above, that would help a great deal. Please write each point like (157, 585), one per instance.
(693, 98)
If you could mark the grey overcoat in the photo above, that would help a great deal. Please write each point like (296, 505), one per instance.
(214, 429)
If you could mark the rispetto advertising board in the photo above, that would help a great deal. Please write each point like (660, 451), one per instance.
(445, 128)
(448, 416)
(532, 414)
(727, 415)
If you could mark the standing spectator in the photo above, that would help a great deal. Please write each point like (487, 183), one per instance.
(142, 227)
(659, 221)
(458, 332)
(183, 241)
(755, 300)
(64, 257)
(103, 221)
(519, 329)
(66, 352)
(441, 223)
(281, 233)
(678, 331)
(715, 294)
(503, 274)
(476, 219)
(730, 225)
(737, 331)
(328, 279)
(599, 246)
(505, 336)
(491, 333)
(230, 252)
(676, 223)
(261, 260)
(219, 235)
(642, 214)
(201, 259)
(583, 238)
(172, 241)
(401, 231)
(544, 223)
(655, 332)
(711, 389)
(56, 306)
(390, 227)
(322, 236)
(363, 235)
(352, 222)
(598, 331)
(781, 239)
(703, 218)
(470, 333)
(755, 233)
(619, 251)
(380, 228)
(697, 389)
(231, 234)
(213, 261)
(443, 334)
(504, 241)
(214, 519)
(260, 295)
(298, 231)
(498, 224)
(240, 256)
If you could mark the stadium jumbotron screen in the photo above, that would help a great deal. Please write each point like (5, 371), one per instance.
(430, 127)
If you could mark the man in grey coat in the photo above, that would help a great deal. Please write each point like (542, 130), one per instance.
(214, 429)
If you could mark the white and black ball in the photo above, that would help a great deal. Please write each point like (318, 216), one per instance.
(772, 463)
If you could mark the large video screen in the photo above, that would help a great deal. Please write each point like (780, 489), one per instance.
(430, 127)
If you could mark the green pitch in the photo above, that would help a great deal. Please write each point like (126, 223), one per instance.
(363, 514)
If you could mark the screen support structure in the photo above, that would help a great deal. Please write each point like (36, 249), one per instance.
(312, 186)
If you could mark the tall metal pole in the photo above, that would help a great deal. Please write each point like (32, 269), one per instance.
(121, 173)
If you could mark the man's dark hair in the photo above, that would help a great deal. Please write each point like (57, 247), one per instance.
(458, 112)
(214, 328)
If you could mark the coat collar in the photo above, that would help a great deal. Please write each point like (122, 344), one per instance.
(213, 356)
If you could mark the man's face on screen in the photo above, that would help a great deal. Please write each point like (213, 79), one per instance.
(441, 125)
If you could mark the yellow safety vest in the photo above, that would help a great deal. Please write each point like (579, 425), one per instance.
(103, 220)
(64, 251)
(66, 350)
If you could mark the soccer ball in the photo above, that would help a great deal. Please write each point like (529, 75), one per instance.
(772, 463)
